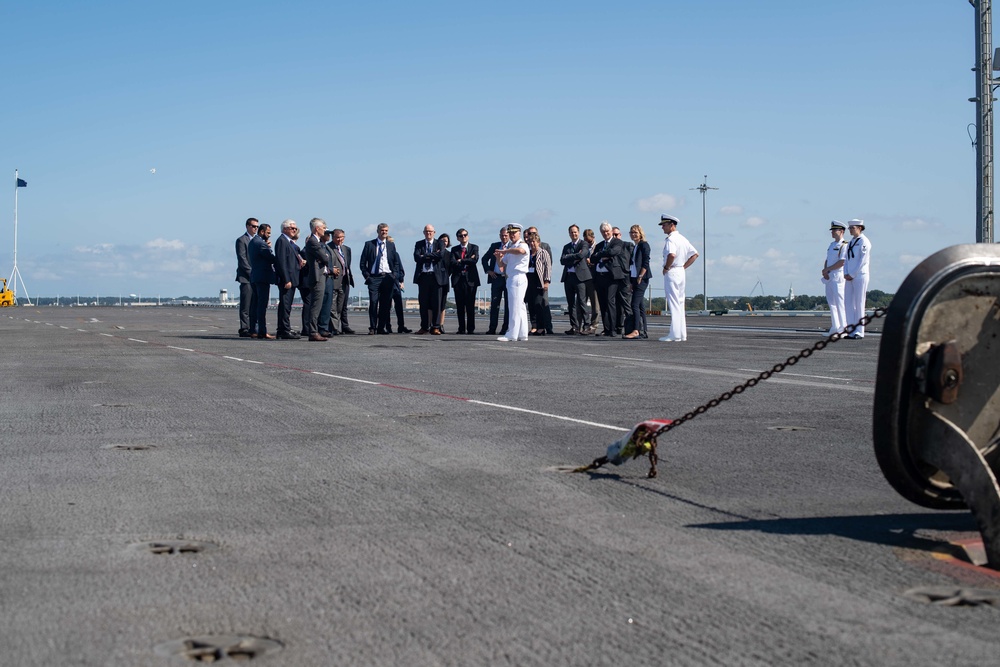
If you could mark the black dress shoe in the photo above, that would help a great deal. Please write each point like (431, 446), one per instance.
(347, 331)
(325, 333)
(330, 334)
(404, 330)
(384, 331)
(244, 333)
(491, 332)
(286, 336)
(371, 332)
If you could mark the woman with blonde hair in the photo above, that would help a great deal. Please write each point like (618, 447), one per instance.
(639, 279)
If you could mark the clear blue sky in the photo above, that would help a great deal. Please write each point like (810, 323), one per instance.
(475, 114)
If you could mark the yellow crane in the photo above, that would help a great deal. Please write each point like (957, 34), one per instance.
(6, 295)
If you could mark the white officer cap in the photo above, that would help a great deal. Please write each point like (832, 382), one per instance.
(837, 224)
(664, 219)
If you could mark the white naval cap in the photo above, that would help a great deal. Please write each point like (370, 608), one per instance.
(664, 219)
(837, 224)
(856, 222)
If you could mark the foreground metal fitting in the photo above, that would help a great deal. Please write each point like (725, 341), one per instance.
(936, 425)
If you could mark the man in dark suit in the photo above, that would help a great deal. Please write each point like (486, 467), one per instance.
(465, 280)
(333, 297)
(575, 276)
(498, 284)
(337, 246)
(430, 276)
(288, 262)
(381, 267)
(243, 277)
(313, 282)
(262, 276)
(620, 322)
(611, 275)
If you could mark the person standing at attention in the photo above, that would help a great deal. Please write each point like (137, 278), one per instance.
(639, 279)
(243, 277)
(856, 276)
(262, 276)
(380, 266)
(678, 255)
(465, 280)
(833, 277)
(575, 279)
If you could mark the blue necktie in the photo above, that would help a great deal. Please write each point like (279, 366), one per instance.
(378, 258)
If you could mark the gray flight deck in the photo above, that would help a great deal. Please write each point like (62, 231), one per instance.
(399, 500)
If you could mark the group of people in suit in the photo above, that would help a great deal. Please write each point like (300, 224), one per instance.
(612, 275)
(321, 272)
(845, 276)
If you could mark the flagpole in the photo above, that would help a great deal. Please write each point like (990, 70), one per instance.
(15, 274)
(11, 281)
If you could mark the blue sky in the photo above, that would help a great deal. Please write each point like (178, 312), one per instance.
(476, 114)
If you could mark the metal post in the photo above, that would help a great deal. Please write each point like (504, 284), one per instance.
(984, 120)
(703, 189)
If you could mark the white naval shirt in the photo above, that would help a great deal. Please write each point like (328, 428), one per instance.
(859, 250)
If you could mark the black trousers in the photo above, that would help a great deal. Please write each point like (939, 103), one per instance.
(258, 313)
(285, 299)
(576, 296)
(538, 303)
(498, 292)
(429, 298)
(611, 292)
(465, 305)
(380, 301)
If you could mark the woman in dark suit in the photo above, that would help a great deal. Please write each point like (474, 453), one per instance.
(639, 278)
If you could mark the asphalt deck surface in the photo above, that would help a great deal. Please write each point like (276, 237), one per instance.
(399, 500)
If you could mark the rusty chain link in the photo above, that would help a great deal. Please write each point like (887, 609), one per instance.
(777, 368)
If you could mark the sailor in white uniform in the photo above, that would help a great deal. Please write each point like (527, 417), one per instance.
(833, 277)
(859, 250)
(678, 255)
(515, 257)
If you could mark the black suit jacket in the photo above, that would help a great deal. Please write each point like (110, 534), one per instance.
(436, 258)
(611, 254)
(470, 265)
(490, 261)
(286, 261)
(243, 258)
(575, 255)
(261, 262)
(641, 261)
(370, 252)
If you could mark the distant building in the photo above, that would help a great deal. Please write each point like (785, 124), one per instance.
(223, 296)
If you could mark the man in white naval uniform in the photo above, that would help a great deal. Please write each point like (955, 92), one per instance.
(833, 277)
(678, 255)
(515, 258)
(859, 251)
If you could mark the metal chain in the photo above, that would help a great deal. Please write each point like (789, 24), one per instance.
(754, 381)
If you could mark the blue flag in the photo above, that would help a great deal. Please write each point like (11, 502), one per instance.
(21, 183)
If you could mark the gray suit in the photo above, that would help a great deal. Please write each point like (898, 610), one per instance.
(243, 278)
(313, 283)
(574, 256)
(339, 285)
